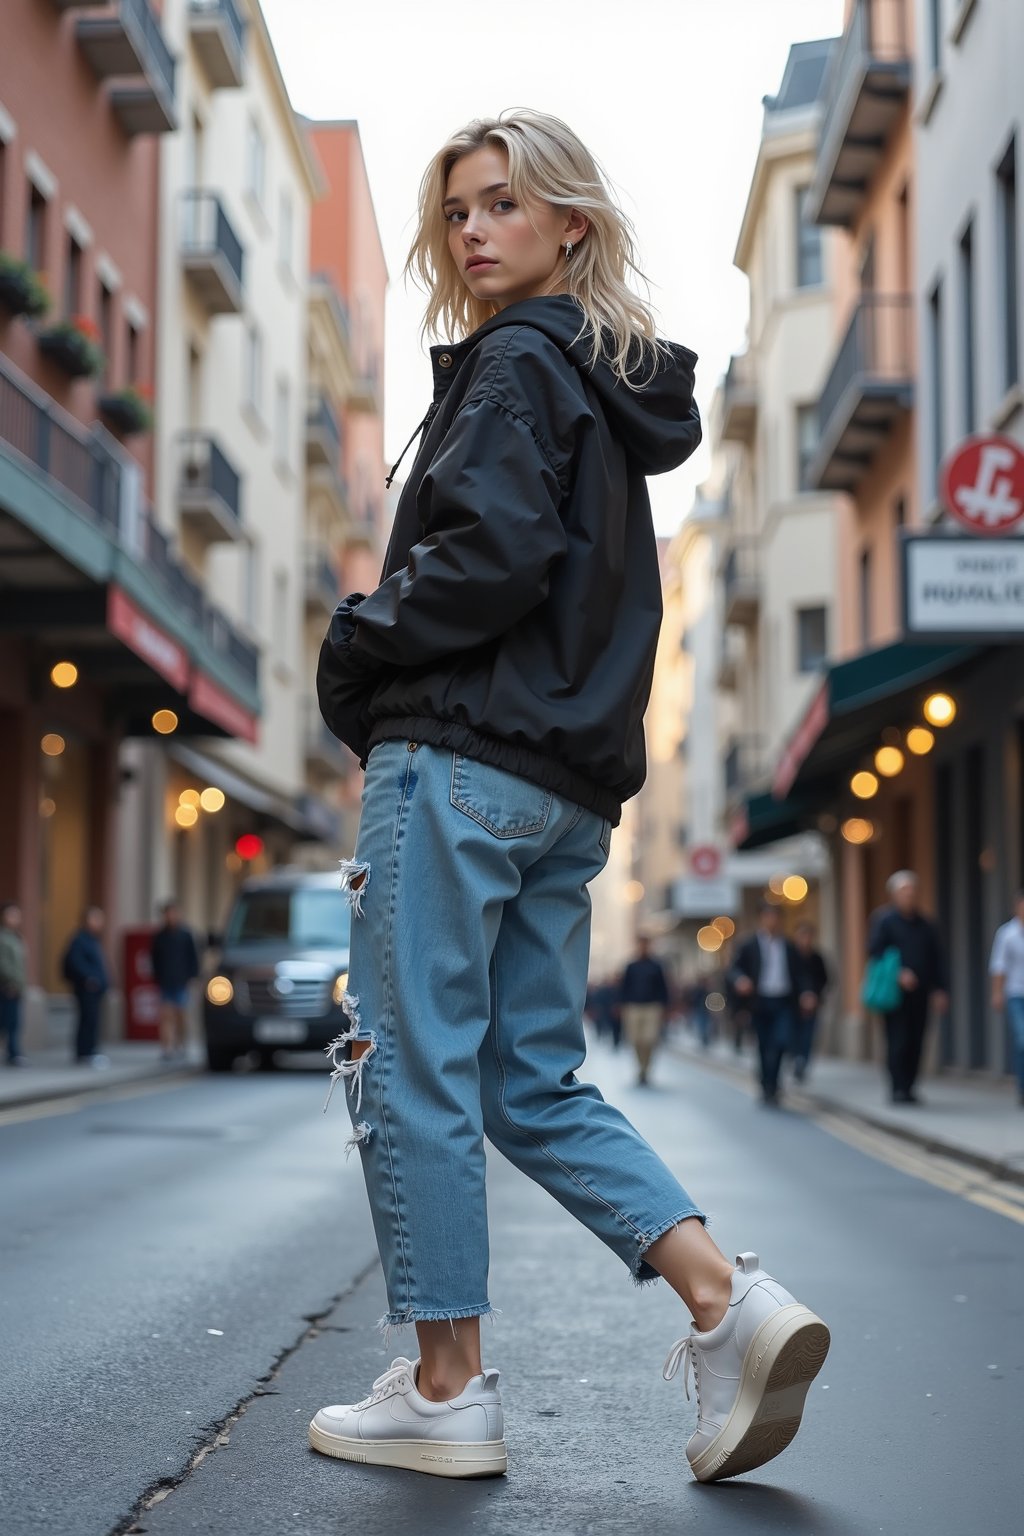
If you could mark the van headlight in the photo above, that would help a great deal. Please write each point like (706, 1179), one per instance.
(219, 990)
(340, 988)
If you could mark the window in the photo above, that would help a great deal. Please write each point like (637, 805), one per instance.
(934, 34)
(35, 229)
(899, 512)
(1008, 303)
(133, 353)
(284, 232)
(811, 639)
(809, 273)
(254, 370)
(73, 277)
(865, 597)
(806, 443)
(257, 162)
(967, 360)
(282, 409)
(938, 380)
(251, 605)
(3, 181)
(867, 264)
(280, 616)
(106, 324)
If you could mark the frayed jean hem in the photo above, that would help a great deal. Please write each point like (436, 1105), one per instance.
(433, 1315)
(644, 1273)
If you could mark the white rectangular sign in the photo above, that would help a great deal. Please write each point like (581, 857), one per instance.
(964, 586)
(696, 897)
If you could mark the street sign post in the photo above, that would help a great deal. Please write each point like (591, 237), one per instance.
(705, 860)
(982, 484)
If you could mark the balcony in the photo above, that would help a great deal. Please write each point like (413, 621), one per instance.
(870, 389)
(128, 41)
(321, 583)
(741, 584)
(211, 253)
(365, 394)
(323, 433)
(218, 37)
(323, 749)
(209, 490)
(742, 766)
(730, 660)
(868, 86)
(328, 483)
(739, 400)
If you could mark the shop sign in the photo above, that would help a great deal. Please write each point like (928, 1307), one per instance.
(146, 639)
(956, 587)
(705, 898)
(214, 704)
(982, 484)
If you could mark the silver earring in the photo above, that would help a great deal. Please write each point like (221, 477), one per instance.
(568, 250)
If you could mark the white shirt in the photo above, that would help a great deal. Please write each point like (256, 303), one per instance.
(774, 980)
(1008, 956)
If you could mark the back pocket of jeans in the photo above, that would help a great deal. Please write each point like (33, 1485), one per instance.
(505, 804)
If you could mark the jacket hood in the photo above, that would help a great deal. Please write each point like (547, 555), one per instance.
(658, 423)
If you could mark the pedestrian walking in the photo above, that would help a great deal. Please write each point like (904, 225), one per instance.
(175, 962)
(85, 967)
(766, 974)
(811, 986)
(12, 980)
(493, 688)
(643, 999)
(603, 1008)
(903, 927)
(1007, 970)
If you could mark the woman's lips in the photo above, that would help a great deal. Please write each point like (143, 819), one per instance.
(479, 262)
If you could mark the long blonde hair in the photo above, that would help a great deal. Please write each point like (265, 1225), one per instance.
(546, 162)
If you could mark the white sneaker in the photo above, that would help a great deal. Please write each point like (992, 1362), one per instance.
(396, 1426)
(751, 1374)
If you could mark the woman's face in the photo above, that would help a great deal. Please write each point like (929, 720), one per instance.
(502, 256)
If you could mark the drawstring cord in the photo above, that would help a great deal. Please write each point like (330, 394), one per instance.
(428, 418)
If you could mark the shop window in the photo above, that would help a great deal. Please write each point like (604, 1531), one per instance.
(811, 639)
(809, 265)
(1008, 275)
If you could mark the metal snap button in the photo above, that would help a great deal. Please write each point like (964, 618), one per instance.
(413, 745)
(445, 360)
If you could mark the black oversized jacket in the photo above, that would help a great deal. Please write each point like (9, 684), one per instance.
(520, 601)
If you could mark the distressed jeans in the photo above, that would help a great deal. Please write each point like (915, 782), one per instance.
(468, 977)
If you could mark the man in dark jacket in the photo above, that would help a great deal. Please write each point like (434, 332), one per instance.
(85, 967)
(12, 979)
(923, 978)
(765, 974)
(522, 541)
(175, 961)
(643, 996)
(812, 984)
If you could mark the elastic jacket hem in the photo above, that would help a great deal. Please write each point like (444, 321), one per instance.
(500, 753)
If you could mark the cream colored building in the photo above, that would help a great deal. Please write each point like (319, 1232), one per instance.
(237, 184)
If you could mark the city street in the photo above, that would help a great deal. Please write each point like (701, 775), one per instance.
(189, 1273)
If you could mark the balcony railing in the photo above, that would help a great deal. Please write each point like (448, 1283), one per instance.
(328, 480)
(322, 746)
(322, 286)
(218, 36)
(211, 253)
(86, 470)
(741, 586)
(130, 41)
(739, 399)
(209, 489)
(323, 432)
(870, 387)
(867, 87)
(321, 582)
(366, 387)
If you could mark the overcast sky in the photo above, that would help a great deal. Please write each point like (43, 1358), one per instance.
(666, 93)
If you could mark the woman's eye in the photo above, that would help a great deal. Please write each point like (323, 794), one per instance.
(455, 214)
(504, 202)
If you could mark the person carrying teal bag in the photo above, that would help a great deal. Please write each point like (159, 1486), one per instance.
(881, 991)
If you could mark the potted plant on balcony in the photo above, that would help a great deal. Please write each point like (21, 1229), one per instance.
(21, 292)
(74, 345)
(128, 410)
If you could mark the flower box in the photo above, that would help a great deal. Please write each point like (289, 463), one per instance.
(74, 346)
(127, 410)
(21, 292)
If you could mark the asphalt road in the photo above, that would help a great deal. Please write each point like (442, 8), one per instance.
(187, 1274)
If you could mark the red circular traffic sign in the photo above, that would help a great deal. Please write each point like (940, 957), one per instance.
(706, 860)
(982, 484)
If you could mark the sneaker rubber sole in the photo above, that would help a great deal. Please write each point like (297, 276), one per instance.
(785, 1355)
(440, 1458)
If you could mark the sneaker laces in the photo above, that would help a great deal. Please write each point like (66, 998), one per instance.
(386, 1384)
(682, 1350)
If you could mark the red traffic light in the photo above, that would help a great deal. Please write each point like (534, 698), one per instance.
(249, 846)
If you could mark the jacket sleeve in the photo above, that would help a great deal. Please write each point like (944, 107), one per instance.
(193, 956)
(879, 940)
(489, 504)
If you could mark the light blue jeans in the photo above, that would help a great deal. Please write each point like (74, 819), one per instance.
(1015, 1015)
(468, 977)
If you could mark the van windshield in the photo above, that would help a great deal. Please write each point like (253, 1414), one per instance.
(307, 919)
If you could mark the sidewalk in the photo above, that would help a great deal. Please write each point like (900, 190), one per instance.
(49, 1074)
(977, 1121)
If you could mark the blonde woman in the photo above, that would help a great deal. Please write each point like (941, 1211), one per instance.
(493, 687)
